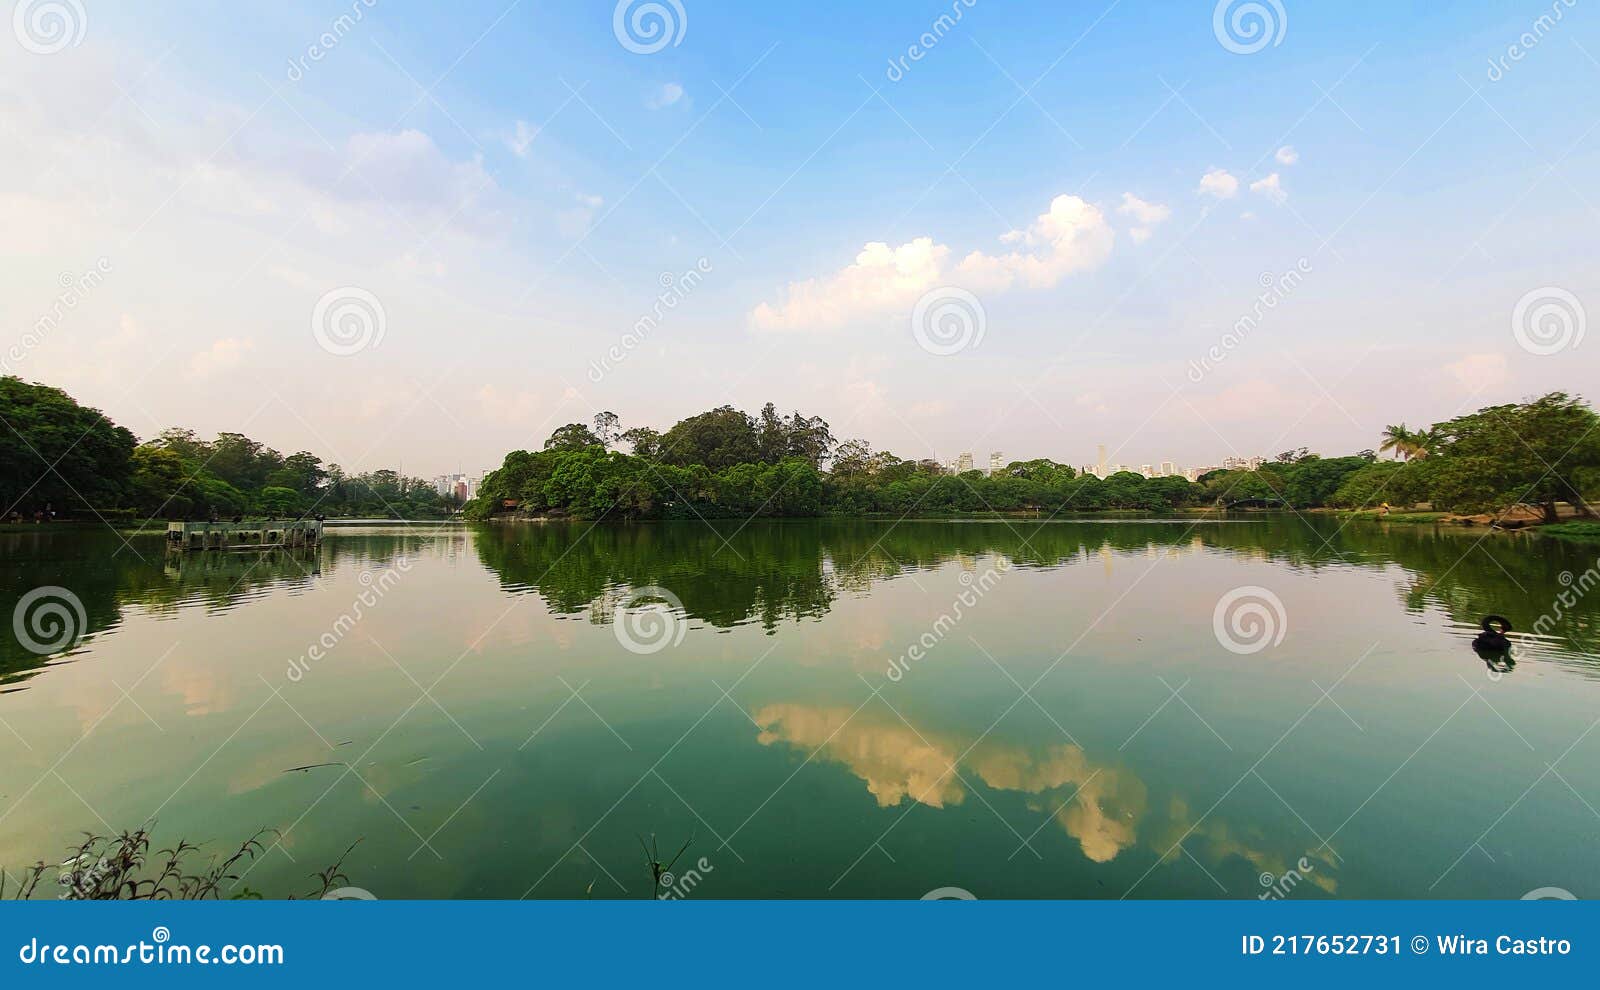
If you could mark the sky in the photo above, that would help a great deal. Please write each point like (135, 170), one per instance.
(400, 233)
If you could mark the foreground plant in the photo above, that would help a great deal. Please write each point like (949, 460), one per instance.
(121, 868)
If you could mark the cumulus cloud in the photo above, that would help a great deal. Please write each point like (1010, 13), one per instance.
(1146, 214)
(1219, 184)
(664, 95)
(1073, 236)
(1479, 371)
(1270, 187)
(881, 277)
(1287, 155)
(223, 355)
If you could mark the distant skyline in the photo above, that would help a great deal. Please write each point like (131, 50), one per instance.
(385, 231)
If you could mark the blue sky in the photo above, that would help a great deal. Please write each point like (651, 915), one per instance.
(509, 182)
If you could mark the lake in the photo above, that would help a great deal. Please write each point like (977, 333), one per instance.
(1262, 706)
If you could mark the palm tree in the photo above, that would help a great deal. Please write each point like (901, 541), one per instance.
(1423, 443)
(1399, 440)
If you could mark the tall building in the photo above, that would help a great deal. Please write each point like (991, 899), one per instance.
(1168, 469)
(1147, 471)
(995, 462)
(459, 485)
(964, 462)
(1100, 468)
(1243, 463)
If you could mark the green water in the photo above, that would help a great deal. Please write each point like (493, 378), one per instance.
(492, 712)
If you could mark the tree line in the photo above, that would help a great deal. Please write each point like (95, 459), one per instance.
(58, 456)
(725, 462)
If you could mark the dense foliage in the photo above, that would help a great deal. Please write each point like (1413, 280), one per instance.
(726, 463)
(1537, 453)
(58, 455)
(55, 453)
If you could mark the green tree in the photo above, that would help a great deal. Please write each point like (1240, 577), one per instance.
(56, 453)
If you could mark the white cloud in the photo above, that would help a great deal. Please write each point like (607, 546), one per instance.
(1271, 188)
(881, 277)
(1072, 236)
(1147, 214)
(1479, 371)
(223, 355)
(520, 138)
(664, 95)
(407, 167)
(1219, 184)
(1287, 155)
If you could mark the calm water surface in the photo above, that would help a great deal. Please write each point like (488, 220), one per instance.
(492, 713)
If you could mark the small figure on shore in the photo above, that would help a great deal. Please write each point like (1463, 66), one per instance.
(214, 517)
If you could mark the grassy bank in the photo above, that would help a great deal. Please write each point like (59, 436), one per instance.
(1576, 532)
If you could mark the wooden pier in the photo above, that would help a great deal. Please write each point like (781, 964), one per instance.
(250, 534)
